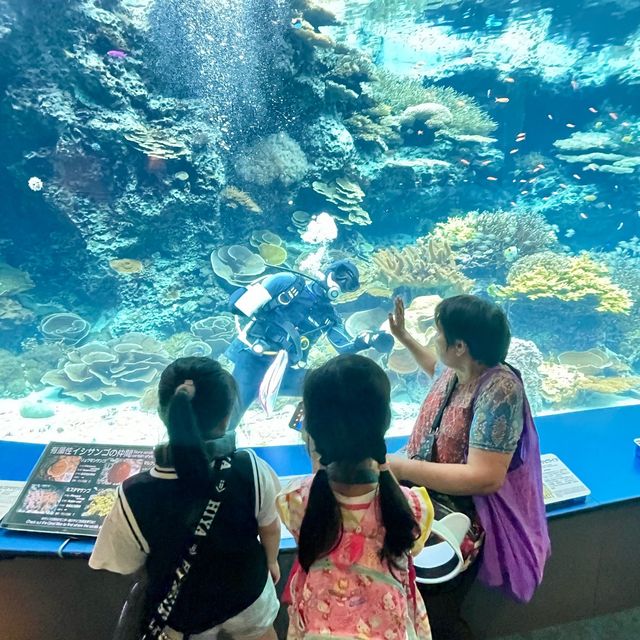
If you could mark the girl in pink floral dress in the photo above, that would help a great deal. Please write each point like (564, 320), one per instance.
(355, 526)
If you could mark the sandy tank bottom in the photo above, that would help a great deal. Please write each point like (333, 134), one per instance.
(126, 423)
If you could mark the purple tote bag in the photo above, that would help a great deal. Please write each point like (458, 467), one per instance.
(517, 544)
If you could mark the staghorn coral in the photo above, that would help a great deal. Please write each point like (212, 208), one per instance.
(122, 367)
(233, 198)
(428, 264)
(401, 93)
(276, 158)
(566, 278)
(346, 196)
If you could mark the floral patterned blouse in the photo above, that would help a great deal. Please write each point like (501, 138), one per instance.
(493, 423)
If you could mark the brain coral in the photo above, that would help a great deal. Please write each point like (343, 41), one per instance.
(276, 158)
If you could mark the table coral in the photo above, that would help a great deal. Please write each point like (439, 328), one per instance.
(122, 367)
(567, 278)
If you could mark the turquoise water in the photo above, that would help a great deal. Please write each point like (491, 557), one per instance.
(158, 154)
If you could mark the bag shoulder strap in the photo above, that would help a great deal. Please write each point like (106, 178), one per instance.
(161, 613)
(452, 384)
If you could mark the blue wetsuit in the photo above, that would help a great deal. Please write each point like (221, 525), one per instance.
(298, 314)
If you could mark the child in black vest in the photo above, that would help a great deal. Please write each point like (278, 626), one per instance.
(230, 585)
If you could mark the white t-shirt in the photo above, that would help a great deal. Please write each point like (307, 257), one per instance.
(122, 548)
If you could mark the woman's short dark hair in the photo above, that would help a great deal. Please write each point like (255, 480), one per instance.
(480, 324)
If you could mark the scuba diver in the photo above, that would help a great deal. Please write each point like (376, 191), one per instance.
(288, 313)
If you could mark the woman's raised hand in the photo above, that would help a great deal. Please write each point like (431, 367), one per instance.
(396, 320)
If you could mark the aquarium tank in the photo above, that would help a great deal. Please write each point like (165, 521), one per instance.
(160, 155)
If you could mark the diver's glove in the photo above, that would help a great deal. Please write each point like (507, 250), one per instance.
(379, 340)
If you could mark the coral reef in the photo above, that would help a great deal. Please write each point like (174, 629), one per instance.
(13, 280)
(488, 242)
(122, 367)
(236, 264)
(567, 278)
(560, 383)
(68, 328)
(233, 197)
(599, 151)
(429, 264)
(13, 313)
(466, 117)
(276, 158)
(593, 362)
(525, 356)
(126, 266)
(216, 331)
(328, 143)
(346, 196)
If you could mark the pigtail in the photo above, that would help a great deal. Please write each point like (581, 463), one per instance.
(401, 528)
(321, 526)
(187, 448)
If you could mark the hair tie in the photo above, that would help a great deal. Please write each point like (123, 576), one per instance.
(187, 387)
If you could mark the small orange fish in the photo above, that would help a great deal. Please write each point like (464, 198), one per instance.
(513, 204)
(570, 125)
(577, 176)
(563, 185)
(514, 151)
(584, 216)
(620, 226)
(524, 193)
(488, 93)
(545, 198)
(625, 124)
(509, 79)
(540, 166)
(533, 180)
(549, 116)
(593, 110)
(492, 178)
(613, 115)
(503, 100)
(523, 180)
(465, 161)
(484, 163)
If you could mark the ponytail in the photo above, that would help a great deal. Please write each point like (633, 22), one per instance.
(321, 526)
(401, 528)
(187, 448)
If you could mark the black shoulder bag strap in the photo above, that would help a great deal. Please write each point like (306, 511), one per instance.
(155, 628)
(425, 452)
